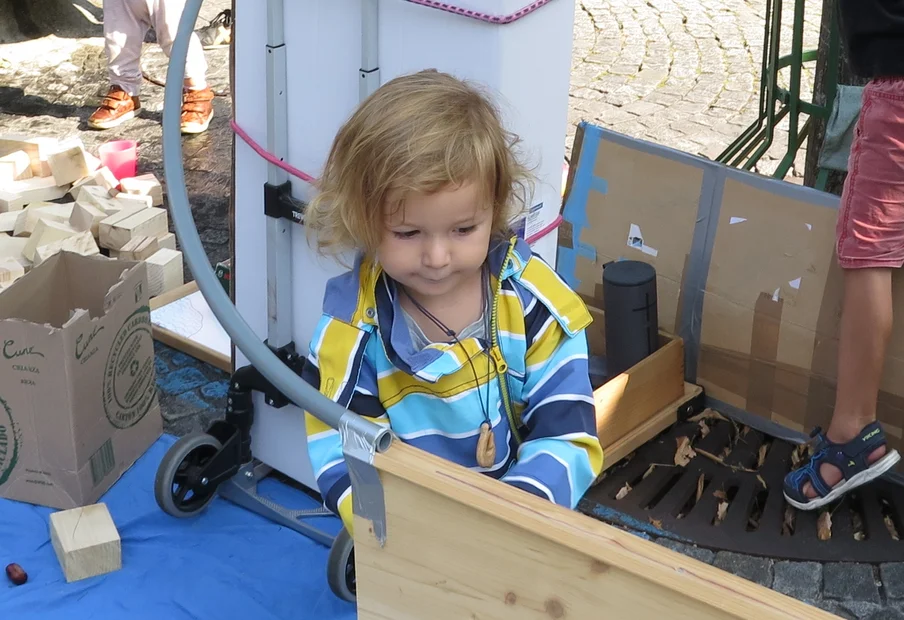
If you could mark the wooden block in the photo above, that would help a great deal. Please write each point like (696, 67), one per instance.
(86, 541)
(102, 177)
(25, 225)
(12, 247)
(164, 271)
(11, 202)
(10, 271)
(167, 241)
(151, 222)
(46, 231)
(8, 221)
(134, 200)
(68, 165)
(139, 248)
(100, 197)
(37, 189)
(86, 216)
(36, 148)
(93, 162)
(143, 185)
(15, 167)
(82, 243)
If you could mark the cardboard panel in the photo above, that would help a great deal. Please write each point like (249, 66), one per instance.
(628, 201)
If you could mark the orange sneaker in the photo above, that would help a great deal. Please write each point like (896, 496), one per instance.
(116, 108)
(197, 110)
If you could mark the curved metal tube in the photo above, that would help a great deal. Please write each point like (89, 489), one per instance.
(286, 381)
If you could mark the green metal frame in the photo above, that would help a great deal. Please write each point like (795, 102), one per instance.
(776, 102)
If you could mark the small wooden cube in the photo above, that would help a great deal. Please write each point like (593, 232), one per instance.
(134, 200)
(165, 271)
(12, 247)
(83, 243)
(25, 225)
(10, 271)
(147, 222)
(102, 177)
(8, 221)
(86, 216)
(99, 196)
(46, 232)
(68, 165)
(144, 185)
(15, 167)
(86, 541)
(139, 248)
(10, 202)
(36, 148)
(167, 241)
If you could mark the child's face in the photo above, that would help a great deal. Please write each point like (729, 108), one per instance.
(437, 242)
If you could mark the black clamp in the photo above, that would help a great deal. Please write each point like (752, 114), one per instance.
(279, 203)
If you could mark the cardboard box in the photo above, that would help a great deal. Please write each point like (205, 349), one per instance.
(78, 397)
(746, 276)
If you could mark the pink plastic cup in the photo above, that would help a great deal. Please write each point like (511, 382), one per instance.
(120, 156)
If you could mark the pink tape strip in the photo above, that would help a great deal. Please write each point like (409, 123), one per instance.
(484, 17)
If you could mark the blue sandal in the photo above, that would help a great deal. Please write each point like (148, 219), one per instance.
(850, 458)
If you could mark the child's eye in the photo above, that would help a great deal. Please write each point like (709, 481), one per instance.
(466, 230)
(407, 234)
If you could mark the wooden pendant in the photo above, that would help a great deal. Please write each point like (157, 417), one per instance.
(486, 446)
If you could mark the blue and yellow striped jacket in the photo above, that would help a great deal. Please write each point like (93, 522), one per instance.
(542, 410)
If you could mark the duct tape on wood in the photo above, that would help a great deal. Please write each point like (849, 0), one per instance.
(746, 275)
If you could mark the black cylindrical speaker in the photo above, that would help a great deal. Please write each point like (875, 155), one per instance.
(632, 323)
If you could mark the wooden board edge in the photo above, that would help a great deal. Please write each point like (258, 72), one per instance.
(192, 348)
(597, 540)
(173, 295)
(666, 417)
(666, 363)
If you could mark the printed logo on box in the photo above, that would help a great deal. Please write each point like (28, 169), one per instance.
(9, 443)
(129, 388)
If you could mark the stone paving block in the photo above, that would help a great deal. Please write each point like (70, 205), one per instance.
(757, 570)
(850, 582)
(698, 553)
(802, 580)
(893, 578)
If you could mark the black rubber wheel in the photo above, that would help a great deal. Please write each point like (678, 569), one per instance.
(178, 488)
(340, 568)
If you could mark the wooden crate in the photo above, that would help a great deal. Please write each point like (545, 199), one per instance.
(638, 404)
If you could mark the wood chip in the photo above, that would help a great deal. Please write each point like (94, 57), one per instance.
(684, 453)
(890, 526)
(623, 491)
(721, 511)
(761, 456)
(656, 523)
(763, 482)
(824, 526)
(720, 494)
(700, 483)
(649, 470)
(788, 521)
(707, 414)
(704, 428)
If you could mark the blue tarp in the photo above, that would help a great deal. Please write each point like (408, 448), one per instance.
(224, 563)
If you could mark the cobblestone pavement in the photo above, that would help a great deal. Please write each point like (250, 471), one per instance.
(683, 73)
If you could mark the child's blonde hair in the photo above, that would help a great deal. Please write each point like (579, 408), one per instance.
(417, 134)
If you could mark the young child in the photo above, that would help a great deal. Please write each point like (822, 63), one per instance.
(447, 328)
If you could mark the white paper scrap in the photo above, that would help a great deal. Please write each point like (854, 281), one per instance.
(795, 284)
(635, 240)
(775, 294)
(737, 220)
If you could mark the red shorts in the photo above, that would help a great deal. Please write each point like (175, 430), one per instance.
(870, 229)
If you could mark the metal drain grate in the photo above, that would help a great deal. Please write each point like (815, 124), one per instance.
(729, 497)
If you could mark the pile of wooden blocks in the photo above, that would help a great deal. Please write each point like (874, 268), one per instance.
(121, 219)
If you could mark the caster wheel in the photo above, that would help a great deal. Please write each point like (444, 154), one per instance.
(178, 488)
(340, 568)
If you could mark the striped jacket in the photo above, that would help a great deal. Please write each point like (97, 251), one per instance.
(542, 409)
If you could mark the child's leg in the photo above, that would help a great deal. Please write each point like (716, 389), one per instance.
(166, 16)
(870, 242)
(126, 23)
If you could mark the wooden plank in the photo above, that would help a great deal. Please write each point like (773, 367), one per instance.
(628, 400)
(46, 232)
(462, 545)
(144, 185)
(15, 167)
(26, 224)
(37, 189)
(151, 222)
(138, 248)
(167, 241)
(82, 243)
(173, 295)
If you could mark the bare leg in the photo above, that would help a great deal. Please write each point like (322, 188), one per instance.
(866, 323)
